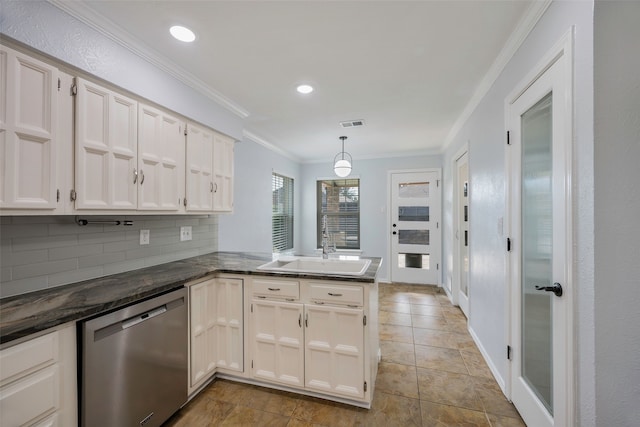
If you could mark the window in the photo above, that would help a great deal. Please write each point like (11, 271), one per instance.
(282, 215)
(339, 200)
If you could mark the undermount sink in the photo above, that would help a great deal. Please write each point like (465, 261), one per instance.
(349, 267)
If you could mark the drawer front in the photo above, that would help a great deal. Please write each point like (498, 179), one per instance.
(336, 294)
(28, 356)
(30, 397)
(289, 290)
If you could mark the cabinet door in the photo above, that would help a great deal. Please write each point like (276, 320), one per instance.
(223, 174)
(277, 341)
(28, 145)
(199, 169)
(228, 314)
(202, 331)
(334, 350)
(161, 151)
(106, 148)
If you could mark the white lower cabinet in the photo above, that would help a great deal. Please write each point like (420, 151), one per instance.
(314, 336)
(216, 322)
(38, 381)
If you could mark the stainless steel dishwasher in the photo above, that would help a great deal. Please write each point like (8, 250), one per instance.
(134, 363)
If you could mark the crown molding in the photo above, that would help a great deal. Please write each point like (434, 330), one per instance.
(117, 34)
(255, 138)
(524, 27)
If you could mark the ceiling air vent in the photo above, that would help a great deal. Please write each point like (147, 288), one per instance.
(352, 123)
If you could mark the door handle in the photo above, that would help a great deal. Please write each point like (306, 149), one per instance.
(556, 288)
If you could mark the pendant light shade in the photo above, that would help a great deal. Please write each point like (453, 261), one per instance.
(342, 162)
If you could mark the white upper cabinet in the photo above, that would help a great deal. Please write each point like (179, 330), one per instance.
(161, 160)
(106, 171)
(200, 184)
(28, 145)
(222, 174)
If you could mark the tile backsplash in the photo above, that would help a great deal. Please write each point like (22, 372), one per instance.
(45, 251)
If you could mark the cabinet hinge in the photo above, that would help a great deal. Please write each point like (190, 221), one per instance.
(74, 89)
(252, 364)
(508, 138)
(57, 195)
(59, 84)
(252, 312)
(508, 244)
(437, 266)
(73, 195)
(185, 131)
(184, 202)
(437, 183)
(364, 321)
(365, 386)
(508, 352)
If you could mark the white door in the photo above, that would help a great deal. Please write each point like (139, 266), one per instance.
(334, 350)
(161, 151)
(199, 169)
(539, 161)
(28, 145)
(415, 227)
(222, 174)
(462, 231)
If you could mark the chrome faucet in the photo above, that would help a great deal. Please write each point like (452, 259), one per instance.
(326, 248)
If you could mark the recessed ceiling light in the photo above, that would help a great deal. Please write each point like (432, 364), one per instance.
(304, 89)
(182, 33)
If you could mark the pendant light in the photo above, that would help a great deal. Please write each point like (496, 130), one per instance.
(341, 165)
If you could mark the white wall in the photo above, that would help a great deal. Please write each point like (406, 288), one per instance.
(374, 201)
(248, 229)
(617, 209)
(44, 27)
(484, 131)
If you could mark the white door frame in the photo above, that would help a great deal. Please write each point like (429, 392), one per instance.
(390, 215)
(455, 265)
(564, 416)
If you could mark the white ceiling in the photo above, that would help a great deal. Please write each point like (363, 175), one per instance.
(409, 69)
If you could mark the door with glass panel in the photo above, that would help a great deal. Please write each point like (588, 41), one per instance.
(539, 162)
(415, 227)
(462, 231)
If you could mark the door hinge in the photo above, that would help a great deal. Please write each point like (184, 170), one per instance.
(59, 84)
(437, 183)
(57, 195)
(185, 202)
(437, 225)
(365, 386)
(508, 352)
(252, 312)
(508, 138)
(73, 195)
(508, 244)
(437, 266)
(252, 364)
(364, 320)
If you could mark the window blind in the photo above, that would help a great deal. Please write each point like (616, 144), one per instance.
(282, 213)
(339, 200)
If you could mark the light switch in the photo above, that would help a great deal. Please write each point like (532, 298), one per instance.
(144, 237)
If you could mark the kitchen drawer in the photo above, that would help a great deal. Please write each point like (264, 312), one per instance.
(289, 290)
(336, 294)
(28, 356)
(30, 397)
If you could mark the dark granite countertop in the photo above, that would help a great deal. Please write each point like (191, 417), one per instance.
(27, 314)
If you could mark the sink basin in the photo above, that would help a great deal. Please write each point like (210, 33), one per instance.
(349, 267)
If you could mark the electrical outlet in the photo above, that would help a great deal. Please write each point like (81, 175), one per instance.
(144, 237)
(185, 233)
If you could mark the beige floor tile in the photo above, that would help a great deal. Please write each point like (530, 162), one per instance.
(396, 333)
(247, 416)
(444, 359)
(394, 378)
(493, 400)
(475, 364)
(324, 413)
(392, 318)
(500, 421)
(396, 307)
(397, 352)
(424, 299)
(429, 322)
(448, 388)
(437, 415)
(201, 411)
(227, 391)
(389, 410)
(273, 401)
(427, 310)
(459, 326)
(436, 338)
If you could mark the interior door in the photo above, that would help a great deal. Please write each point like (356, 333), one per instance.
(462, 231)
(415, 227)
(540, 260)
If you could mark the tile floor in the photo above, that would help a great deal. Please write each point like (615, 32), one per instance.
(431, 374)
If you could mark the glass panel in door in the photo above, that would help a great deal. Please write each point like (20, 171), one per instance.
(537, 250)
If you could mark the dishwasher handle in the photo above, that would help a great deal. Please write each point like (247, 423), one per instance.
(144, 316)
